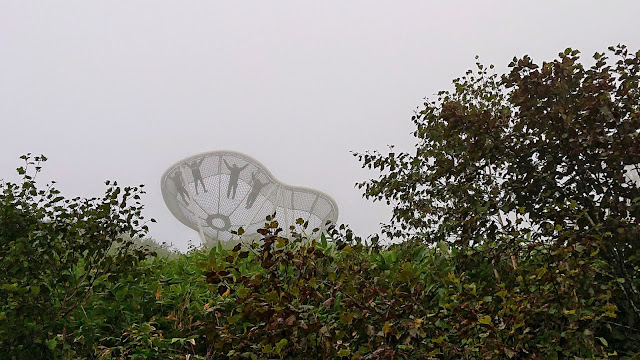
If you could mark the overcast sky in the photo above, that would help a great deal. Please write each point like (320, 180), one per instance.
(121, 90)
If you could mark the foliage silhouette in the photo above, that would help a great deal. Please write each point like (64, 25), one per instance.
(544, 155)
(53, 253)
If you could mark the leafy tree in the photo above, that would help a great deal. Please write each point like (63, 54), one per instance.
(541, 156)
(53, 252)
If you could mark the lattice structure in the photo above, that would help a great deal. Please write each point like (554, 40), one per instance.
(217, 192)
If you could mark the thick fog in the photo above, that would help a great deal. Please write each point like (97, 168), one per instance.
(122, 90)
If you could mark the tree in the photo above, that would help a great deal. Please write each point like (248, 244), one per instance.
(53, 251)
(544, 154)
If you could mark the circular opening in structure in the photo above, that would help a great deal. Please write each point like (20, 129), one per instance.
(218, 222)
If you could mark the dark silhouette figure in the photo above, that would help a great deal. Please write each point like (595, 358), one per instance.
(197, 175)
(257, 185)
(233, 177)
(177, 179)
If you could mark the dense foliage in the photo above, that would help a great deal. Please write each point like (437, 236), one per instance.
(54, 255)
(520, 241)
(294, 298)
(551, 145)
(544, 155)
(299, 298)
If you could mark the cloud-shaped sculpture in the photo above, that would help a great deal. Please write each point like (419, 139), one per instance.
(217, 192)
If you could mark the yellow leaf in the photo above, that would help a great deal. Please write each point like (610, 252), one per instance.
(452, 277)
(485, 320)
(417, 322)
(386, 327)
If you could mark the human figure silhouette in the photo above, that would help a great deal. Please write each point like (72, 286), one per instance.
(257, 185)
(177, 179)
(233, 177)
(197, 175)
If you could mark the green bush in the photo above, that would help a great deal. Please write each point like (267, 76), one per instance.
(153, 313)
(298, 298)
(53, 253)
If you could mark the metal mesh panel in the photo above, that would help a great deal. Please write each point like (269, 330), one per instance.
(217, 192)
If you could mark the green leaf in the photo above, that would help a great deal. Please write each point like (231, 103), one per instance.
(242, 292)
(344, 352)
(603, 341)
(51, 343)
(347, 318)
(443, 247)
(509, 353)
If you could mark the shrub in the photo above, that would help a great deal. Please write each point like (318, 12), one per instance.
(299, 298)
(53, 252)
